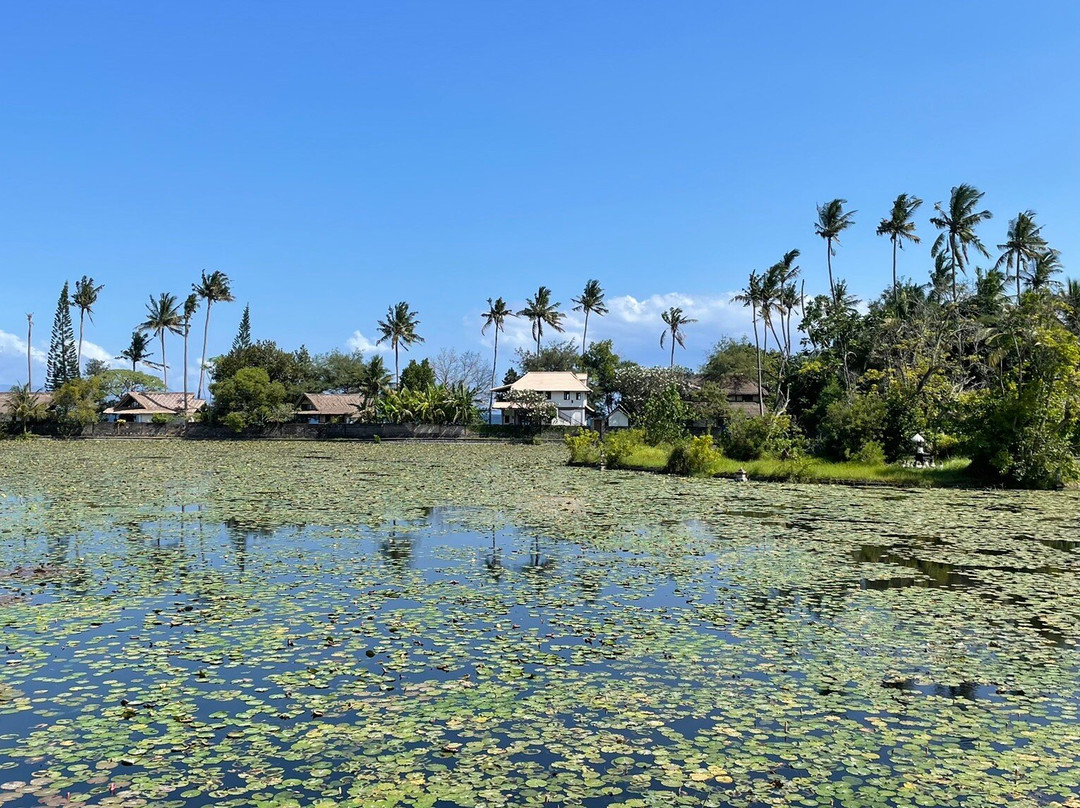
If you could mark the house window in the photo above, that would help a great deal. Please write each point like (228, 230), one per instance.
(565, 396)
(549, 396)
(578, 397)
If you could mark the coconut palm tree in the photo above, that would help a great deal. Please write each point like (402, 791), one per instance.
(591, 300)
(750, 296)
(957, 224)
(1071, 297)
(86, 295)
(675, 320)
(163, 315)
(191, 305)
(495, 316)
(900, 226)
(213, 288)
(1023, 244)
(137, 351)
(399, 328)
(832, 220)
(541, 311)
(25, 406)
(1047, 264)
(29, 339)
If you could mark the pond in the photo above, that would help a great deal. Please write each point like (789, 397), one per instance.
(273, 624)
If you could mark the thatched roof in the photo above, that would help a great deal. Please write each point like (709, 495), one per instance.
(331, 404)
(155, 404)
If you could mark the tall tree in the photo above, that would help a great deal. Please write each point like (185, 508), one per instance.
(675, 320)
(899, 226)
(29, 352)
(541, 311)
(750, 296)
(591, 301)
(1070, 295)
(86, 295)
(957, 224)
(63, 361)
(399, 328)
(832, 220)
(191, 305)
(495, 317)
(243, 334)
(1047, 264)
(163, 315)
(138, 350)
(1023, 244)
(213, 288)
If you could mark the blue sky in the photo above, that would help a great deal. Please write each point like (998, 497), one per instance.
(334, 158)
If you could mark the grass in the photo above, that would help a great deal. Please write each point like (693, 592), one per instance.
(953, 473)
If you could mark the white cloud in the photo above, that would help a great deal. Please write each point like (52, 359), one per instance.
(91, 350)
(12, 344)
(358, 342)
(635, 325)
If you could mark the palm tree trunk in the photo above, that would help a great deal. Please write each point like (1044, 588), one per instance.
(757, 347)
(494, 370)
(585, 333)
(187, 330)
(205, 339)
(895, 289)
(952, 255)
(671, 364)
(1017, 280)
(397, 373)
(828, 261)
(78, 360)
(164, 364)
(29, 337)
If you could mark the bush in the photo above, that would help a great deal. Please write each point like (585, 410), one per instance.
(584, 446)
(752, 437)
(236, 421)
(871, 453)
(160, 418)
(697, 457)
(618, 446)
(851, 423)
(664, 417)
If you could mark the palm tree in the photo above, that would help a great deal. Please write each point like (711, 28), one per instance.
(675, 320)
(540, 311)
(958, 223)
(86, 295)
(495, 316)
(137, 351)
(29, 339)
(214, 288)
(750, 297)
(591, 300)
(1071, 296)
(374, 381)
(24, 406)
(900, 225)
(832, 221)
(191, 305)
(1047, 264)
(163, 315)
(1023, 244)
(400, 328)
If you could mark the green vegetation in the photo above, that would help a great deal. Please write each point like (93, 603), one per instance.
(371, 625)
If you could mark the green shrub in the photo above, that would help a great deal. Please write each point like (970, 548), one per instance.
(850, 423)
(697, 457)
(752, 437)
(584, 446)
(160, 418)
(619, 445)
(872, 453)
(664, 417)
(236, 421)
(376, 438)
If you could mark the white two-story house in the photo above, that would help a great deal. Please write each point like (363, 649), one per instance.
(569, 392)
